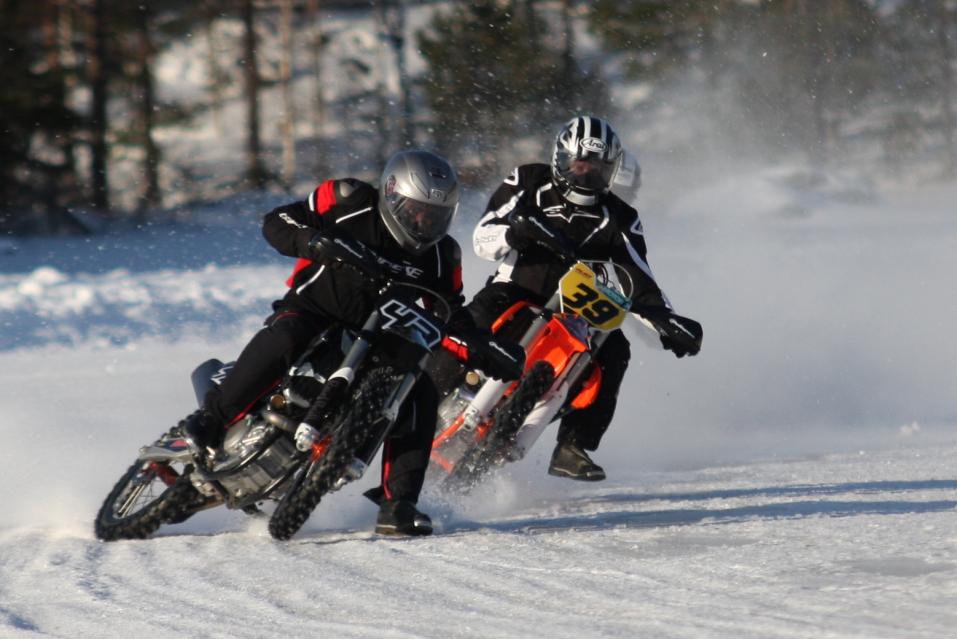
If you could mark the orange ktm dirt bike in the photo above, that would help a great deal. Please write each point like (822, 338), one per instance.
(485, 423)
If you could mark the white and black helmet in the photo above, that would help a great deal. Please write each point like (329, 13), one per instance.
(418, 196)
(586, 159)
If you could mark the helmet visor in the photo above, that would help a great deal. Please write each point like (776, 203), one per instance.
(586, 174)
(426, 223)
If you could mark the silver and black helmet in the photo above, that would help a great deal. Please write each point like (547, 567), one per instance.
(586, 159)
(418, 196)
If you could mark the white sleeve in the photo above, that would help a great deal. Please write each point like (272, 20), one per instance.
(488, 239)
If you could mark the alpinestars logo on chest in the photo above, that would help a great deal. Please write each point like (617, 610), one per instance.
(568, 216)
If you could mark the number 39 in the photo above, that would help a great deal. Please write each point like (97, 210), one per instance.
(588, 303)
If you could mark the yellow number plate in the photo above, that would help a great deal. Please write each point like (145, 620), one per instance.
(581, 295)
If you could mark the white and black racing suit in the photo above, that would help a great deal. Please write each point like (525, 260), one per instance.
(608, 231)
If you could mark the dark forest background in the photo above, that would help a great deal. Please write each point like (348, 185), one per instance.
(843, 80)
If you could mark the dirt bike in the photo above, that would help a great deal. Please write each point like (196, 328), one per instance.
(485, 423)
(351, 384)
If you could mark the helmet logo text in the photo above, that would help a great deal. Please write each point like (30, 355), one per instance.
(593, 144)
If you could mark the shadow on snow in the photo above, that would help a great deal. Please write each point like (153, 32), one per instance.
(797, 509)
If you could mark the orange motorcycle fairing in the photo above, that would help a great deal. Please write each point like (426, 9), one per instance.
(556, 345)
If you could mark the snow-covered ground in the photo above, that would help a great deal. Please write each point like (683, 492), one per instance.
(834, 546)
(798, 478)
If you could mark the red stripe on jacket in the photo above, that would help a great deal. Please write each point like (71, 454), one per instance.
(324, 198)
(457, 279)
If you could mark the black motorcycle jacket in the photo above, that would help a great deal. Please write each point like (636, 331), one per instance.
(608, 231)
(343, 293)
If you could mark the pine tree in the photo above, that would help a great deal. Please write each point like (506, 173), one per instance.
(655, 35)
(494, 77)
(920, 84)
(37, 173)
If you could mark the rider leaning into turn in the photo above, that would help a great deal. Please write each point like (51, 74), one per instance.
(405, 223)
(567, 207)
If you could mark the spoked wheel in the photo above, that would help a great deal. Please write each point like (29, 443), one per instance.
(357, 428)
(493, 450)
(148, 495)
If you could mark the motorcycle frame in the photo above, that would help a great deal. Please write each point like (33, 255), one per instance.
(352, 361)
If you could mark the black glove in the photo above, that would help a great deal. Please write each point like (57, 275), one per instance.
(497, 359)
(676, 347)
(680, 335)
(528, 228)
(326, 246)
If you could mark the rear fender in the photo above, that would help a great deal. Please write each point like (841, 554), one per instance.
(166, 453)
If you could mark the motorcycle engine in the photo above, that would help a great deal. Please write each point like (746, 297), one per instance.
(453, 404)
(252, 482)
(244, 440)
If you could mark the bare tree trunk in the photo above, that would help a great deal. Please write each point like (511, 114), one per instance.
(391, 17)
(385, 133)
(216, 75)
(815, 64)
(405, 82)
(568, 40)
(319, 112)
(528, 8)
(712, 52)
(57, 45)
(96, 63)
(289, 115)
(48, 27)
(568, 101)
(67, 59)
(255, 172)
(65, 28)
(830, 122)
(151, 195)
(944, 23)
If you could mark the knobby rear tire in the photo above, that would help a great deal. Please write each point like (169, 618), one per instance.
(175, 503)
(366, 404)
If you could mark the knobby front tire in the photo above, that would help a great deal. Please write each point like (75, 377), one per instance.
(366, 405)
(510, 416)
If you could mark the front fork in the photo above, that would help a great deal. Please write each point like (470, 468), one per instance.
(492, 390)
(556, 401)
(336, 386)
(390, 413)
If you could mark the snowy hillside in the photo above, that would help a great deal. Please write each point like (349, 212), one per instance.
(797, 479)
